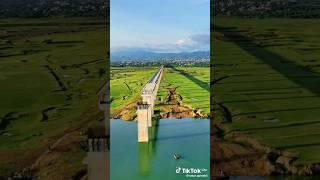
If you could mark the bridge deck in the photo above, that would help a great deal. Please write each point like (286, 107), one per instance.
(155, 77)
(150, 86)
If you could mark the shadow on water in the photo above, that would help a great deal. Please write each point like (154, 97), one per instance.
(274, 60)
(144, 159)
(200, 83)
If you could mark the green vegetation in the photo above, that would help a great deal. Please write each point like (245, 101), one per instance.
(267, 8)
(51, 70)
(54, 8)
(267, 76)
(126, 84)
(192, 85)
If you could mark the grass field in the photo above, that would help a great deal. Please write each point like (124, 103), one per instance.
(267, 75)
(50, 70)
(192, 83)
(126, 84)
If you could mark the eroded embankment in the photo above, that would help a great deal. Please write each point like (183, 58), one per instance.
(239, 154)
(127, 113)
(171, 107)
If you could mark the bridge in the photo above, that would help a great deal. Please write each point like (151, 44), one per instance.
(145, 109)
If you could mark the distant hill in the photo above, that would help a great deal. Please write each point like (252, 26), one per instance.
(267, 8)
(140, 55)
(50, 8)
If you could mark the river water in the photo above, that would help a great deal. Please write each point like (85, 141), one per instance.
(188, 138)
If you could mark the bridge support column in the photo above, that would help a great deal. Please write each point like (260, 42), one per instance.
(148, 99)
(143, 116)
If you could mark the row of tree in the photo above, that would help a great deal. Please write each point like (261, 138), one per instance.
(267, 8)
(51, 8)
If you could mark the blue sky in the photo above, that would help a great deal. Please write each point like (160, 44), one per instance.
(160, 25)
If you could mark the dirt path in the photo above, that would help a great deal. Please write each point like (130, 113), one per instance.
(50, 149)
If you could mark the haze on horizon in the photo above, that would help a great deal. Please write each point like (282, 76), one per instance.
(160, 25)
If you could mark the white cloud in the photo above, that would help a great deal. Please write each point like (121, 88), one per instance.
(195, 42)
(184, 42)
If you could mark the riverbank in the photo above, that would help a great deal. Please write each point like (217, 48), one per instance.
(238, 154)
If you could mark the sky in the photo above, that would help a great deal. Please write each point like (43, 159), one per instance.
(160, 25)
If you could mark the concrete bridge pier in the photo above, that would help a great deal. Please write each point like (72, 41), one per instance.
(143, 117)
(149, 99)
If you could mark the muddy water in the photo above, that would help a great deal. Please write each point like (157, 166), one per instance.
(188, 138)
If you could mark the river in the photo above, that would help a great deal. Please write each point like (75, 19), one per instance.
(189, 138)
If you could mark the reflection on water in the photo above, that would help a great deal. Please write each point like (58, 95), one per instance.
(144, 159)
(154, 160)
(147, 152)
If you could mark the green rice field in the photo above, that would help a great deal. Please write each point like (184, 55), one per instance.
(51, 70)
(126, 84)
(192, 84)
(267, 75)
